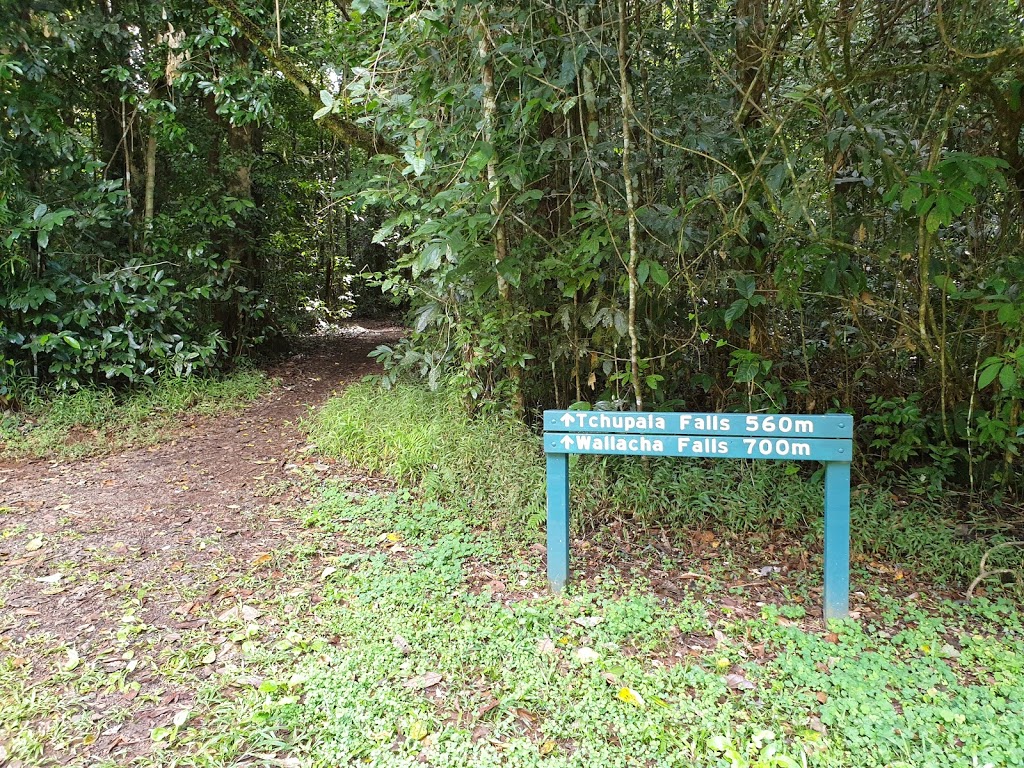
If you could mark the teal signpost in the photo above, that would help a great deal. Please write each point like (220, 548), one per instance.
(787, 437)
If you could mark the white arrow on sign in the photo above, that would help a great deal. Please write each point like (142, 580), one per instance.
(566, 441)
(567, 419)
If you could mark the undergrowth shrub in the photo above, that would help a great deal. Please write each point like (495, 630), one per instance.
(493, 463)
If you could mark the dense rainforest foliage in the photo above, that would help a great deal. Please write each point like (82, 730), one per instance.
(794, 205)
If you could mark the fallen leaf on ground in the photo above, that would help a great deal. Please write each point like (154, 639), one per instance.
(245, 612)
(53, 578)
(418, 731)
(264, 557)
(486, 707)
(587, 655)
(739, 682)
(34, 544)
(630, 696)
(424, 681)
(588, 621)
(402, 645)
(73, 660)
(546, 647)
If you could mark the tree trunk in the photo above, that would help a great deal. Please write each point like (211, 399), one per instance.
(490, 109)
(238, 239)
(626, 92)
(750, 57)
(150, 195)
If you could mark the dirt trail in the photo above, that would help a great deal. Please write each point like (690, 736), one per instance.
(159, 515)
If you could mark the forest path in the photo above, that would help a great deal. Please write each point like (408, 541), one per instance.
(160, 539)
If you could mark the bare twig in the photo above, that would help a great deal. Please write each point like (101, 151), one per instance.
(984, 573)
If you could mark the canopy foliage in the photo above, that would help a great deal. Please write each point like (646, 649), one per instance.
(794, 205)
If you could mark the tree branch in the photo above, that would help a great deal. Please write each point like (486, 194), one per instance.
(346, 131)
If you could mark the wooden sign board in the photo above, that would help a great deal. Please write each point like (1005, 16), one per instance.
(786, 437)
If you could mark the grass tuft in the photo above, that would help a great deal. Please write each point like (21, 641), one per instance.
(424, 439)
(86, 422)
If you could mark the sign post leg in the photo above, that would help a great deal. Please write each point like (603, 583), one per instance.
(837, 540)
(558, 520)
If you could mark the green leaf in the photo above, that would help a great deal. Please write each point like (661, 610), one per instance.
(1014, 94)
(924, 177)
(327, 98)
(1007, 377)
(933, 221)
(39, 212)
(377, 6)
(735, 311)
(529, 196)
(643, 271)
(567, 73)
(477, 161)
(746, 371)
(1008, 314)
(945, 284)
(910, 197)
(776, 177)
(417, 163)
(658, 274)
(988, 374)
(321, 113)
(429, 259)
(72, 342)
(511, 270)
(745, 285)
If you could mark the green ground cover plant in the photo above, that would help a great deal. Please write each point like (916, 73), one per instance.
(404, 659)
(82, 422)
(405, 628)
